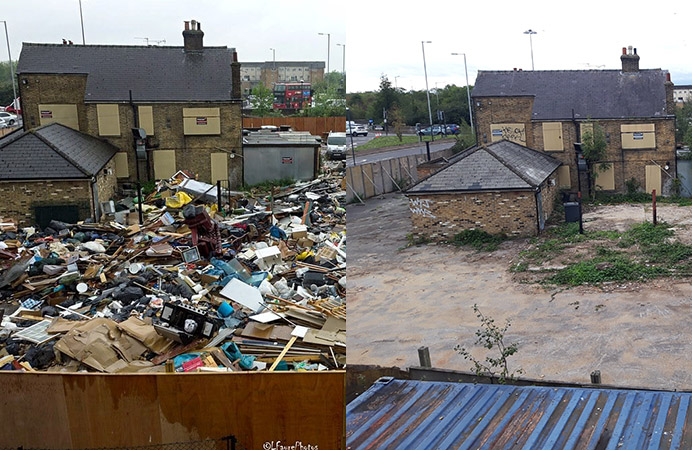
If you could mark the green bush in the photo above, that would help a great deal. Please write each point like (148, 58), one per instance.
(478, 239)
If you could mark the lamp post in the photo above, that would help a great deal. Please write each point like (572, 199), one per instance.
(328, 46)
(396, 87)
(530, 32)
(81, 19)
(14, 87)
(343, 64)
(427, 91)
(468, 92)
(273, 57)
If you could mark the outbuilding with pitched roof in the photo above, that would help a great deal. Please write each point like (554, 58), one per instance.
(54, 172)
(502, 188)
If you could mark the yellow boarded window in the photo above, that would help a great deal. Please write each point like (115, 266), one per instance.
(109, 120)
(219, 166)
(122, 170)
(201, 121)
(638, 136)
(63, 114)
(164, 164)
(605, 180)
(653, 179)
(563, 179)
(585, 128)
(552, 136)
(146, 119)
(514, 132)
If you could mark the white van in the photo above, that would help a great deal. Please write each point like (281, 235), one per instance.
(336, 145)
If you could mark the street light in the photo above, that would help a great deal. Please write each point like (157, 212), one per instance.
(468, 92)
(396, 87)
(343, 64)
(14, 88)
(530, 32)
(81, 19)
(427, 91)
(328, 45)
(273, 57)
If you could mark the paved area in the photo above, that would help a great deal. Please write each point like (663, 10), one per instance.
(384, 153)
(399, 299)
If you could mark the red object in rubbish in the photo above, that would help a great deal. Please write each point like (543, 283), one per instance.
(205, 233)
(193, 364)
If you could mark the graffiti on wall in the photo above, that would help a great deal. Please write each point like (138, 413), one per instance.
(515, 132)
(421, 207)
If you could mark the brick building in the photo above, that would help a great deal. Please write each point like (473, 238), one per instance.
(187, 99)
(549, 111)
(54, 172)
(499, 188)
(271, 72)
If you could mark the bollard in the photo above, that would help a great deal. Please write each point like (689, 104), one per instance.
(427, 148)
(596, 377)
(424, 357)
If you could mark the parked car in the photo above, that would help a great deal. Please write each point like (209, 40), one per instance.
(10, 118)
(356, 130)
(336, 145)
(3, 123)
(435, 130)
(453, 128)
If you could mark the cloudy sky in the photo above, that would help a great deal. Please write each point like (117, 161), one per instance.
(385, 38)
(252, 27)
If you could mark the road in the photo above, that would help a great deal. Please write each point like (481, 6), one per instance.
(374, 155)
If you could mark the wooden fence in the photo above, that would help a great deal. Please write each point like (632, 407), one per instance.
(390, 175)
(85, 410)
(318, 126)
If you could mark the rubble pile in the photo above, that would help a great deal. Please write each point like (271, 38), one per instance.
(246, 282)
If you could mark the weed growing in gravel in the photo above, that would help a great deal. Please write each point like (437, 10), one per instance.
(480, 240)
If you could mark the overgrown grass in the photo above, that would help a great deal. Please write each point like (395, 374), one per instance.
(266, 186)
(414, 240)
(607, 267)
(480, 240)
(637, 197)
(391, 141)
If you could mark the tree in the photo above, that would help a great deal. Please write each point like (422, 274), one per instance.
(384, 100)
(491, 336)
(397, 122)
(262, 101)
(593, 145)
(683, 124)
(329, 102)
(6, 83)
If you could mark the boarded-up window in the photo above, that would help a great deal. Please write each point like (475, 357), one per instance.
(122, 170)
(514, 132)
(563, 179)
(605, 179)
(552, 136)
(638, 136)
(653, 179)
(164, 164)
(63, 114)
(109, 120)
(585, 128)
(201, 121)
(219, 167)
(146, 119)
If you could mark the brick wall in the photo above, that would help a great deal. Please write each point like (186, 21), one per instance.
(627, 164)
(191, 152)
(441, 216)
(51, 89)
(106, 183)
(549, 192)
(20, 198)
(494, 110)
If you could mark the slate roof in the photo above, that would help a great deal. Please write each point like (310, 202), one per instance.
(52, 152)
(154, 74)
(593, 94)
(502, 165)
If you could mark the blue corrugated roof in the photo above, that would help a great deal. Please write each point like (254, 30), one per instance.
(402, 414)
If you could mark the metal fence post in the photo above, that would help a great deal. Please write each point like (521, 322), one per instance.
(218, 195)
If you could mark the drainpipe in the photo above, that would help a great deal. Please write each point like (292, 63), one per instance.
(538, 214)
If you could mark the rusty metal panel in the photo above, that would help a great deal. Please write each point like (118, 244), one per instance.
(396, 414)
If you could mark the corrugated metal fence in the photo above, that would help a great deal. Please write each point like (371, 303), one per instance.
(381, 177)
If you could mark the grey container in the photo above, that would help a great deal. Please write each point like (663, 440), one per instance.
(571, 211)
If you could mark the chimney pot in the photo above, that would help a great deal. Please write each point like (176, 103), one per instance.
(187, 25)
(624, 50)
(193, 37)
(515, 69)
(635, 51)
(668, 76)
(629, 49)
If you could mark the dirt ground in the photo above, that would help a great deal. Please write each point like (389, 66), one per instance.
(400, 298)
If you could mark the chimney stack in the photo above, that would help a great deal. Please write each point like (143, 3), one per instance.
(235, 76)
(630, 59)
(193, 36)
(670, 104)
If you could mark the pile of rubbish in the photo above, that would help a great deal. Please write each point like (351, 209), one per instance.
(209, 280)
